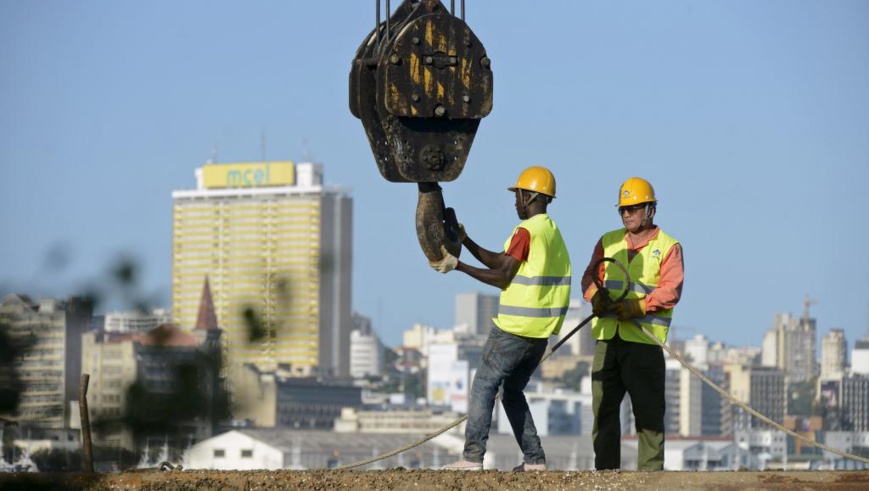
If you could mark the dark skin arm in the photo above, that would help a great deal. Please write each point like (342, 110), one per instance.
(502, 267)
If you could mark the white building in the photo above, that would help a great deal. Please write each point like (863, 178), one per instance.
(555, 412)
(860, 357)
(448, 378)
(833, 354)
(756, 447)
(769, 349)
(136, 321)
(697, 350)
(366, 355)
(581, 343)
(237, 450)
(697, 455)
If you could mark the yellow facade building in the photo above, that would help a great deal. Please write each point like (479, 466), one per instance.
(275, 245)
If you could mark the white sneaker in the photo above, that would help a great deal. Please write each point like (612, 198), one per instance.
(464, 465)
(529, 468)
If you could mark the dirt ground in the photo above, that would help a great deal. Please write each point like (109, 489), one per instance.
(399, 479)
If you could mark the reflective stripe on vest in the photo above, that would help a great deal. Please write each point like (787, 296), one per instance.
(536, 301)
(618, 285)
(532, 312)
(648, 319)
(542, 280)
(645, 270)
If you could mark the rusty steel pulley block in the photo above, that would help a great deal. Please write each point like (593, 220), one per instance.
(420, 83)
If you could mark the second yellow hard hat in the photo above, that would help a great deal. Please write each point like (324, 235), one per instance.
(635, 191)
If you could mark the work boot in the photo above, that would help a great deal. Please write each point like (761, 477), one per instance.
(464, 465)
(529, 467)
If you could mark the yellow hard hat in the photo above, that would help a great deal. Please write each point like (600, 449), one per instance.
(635, 191)
(538, 179)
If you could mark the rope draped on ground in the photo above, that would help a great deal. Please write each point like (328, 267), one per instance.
(663, 345)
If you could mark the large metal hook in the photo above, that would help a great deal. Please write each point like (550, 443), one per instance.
(436, 225)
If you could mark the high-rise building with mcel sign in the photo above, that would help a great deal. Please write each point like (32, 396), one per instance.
(275, 245)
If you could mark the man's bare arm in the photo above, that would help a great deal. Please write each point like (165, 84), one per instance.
(501, 271)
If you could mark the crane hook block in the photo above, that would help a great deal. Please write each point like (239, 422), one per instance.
(420, 83)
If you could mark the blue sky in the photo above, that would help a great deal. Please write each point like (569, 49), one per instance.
(751, 119)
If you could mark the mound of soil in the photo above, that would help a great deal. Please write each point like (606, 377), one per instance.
(422, 480)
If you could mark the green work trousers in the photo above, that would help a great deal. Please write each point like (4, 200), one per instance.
(620, 366)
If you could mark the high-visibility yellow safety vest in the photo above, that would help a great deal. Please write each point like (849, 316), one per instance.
(535, 303)
(645, 271)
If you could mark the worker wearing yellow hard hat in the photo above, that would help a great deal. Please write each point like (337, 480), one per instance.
(533, 274)
(626, 360)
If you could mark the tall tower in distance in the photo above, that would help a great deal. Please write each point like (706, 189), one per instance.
(275, 245)
(795, 339)
(834, 354)
(476, 310)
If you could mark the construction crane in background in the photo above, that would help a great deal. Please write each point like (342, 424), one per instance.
(421, 82)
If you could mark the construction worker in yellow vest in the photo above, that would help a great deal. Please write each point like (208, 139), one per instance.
(533, 274)
(626, 360)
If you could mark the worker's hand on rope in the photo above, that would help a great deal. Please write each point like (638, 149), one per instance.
(631, 308)
(446, 264)
(601, 303)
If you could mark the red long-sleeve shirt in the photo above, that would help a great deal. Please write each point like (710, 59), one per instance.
(669, 288)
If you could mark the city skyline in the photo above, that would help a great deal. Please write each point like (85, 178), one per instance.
(749, 119)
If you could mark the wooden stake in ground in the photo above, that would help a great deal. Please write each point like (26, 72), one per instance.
(85, 424)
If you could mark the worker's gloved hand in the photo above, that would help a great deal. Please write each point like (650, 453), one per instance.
(631, 308)
(601, 303)
(460, 229)
(447, 263)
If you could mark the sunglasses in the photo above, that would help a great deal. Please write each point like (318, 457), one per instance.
(631, 209)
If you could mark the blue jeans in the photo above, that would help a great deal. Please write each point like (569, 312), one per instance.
(507, 359)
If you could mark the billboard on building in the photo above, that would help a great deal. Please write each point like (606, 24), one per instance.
(248, 174)
(830, 393)
(440, 359)
(458, 389)
(447, 378)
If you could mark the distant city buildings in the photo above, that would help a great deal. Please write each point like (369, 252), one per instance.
(762, 389)
(366, 350)
(118, 359)
(476, 310)
(855, 403)
(794, 341)
(50, 368)
(275, 244)
(269, 248)
(280, 398)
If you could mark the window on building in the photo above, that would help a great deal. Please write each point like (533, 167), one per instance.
(219, 452)
(246, 454)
